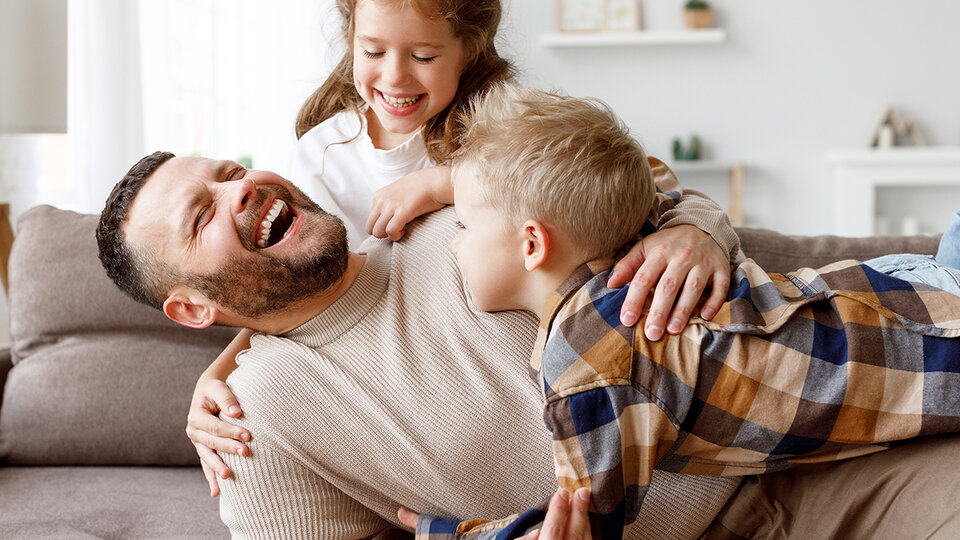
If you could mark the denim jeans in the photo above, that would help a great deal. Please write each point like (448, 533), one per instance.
(940, 271)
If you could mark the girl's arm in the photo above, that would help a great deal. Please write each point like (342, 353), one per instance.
(399, 203)
(210, 397)
(687, 248)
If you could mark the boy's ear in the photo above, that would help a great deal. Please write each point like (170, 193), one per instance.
(536, 244)
(188, 307)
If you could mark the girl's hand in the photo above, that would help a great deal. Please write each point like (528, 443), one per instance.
(680, 260)
(413, 195)
(209, 433)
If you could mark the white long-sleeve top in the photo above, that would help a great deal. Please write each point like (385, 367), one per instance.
(336, 165)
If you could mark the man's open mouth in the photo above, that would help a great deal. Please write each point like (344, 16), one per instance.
(276, 224)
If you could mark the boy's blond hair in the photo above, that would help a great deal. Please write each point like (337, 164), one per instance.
(569, 162)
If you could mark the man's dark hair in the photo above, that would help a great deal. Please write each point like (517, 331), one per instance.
(126, 265)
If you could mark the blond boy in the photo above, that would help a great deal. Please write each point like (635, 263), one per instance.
(816, 365)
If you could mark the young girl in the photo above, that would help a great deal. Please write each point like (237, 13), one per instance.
(376, 135)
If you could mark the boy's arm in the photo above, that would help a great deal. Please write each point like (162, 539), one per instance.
(607, 439)
(414, 195)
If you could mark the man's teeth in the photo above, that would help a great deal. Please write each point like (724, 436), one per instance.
(401, 102)
(267, 224)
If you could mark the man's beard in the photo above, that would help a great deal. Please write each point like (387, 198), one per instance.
(258, 284)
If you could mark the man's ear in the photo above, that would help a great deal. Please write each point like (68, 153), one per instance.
(188, 307)
(536, 244)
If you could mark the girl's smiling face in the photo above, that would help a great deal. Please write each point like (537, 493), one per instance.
(406, 67)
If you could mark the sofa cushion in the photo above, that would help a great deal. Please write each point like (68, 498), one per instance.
(43, 503)
(97, 378)
(776, 252)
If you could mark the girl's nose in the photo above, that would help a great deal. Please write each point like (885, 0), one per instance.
(395, 70)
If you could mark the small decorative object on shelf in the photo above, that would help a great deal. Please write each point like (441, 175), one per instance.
(623, 15)
(581, 15)
(896, 130)
(697, 14)
(690, 153)
(598, 15)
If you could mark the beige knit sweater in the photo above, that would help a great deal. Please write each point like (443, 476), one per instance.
(401, 394)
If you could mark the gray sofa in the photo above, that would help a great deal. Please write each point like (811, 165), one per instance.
(97, 388)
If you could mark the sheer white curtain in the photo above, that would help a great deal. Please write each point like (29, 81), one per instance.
(222, 78)
(104, 106)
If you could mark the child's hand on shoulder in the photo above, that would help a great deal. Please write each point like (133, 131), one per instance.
(414, 195)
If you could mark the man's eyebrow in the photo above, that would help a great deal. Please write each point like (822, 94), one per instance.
(377, 41)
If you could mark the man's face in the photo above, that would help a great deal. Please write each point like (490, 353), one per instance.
(489, 249)
(248, 240)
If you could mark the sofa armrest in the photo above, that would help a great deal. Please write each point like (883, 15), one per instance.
(6, 362)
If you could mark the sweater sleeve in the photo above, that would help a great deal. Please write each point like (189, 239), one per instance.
(270, 495)
(676, 205)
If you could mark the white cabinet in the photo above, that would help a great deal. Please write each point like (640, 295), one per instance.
(861, 174)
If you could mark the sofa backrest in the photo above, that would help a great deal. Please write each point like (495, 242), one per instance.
(97, 378)
(776, 252)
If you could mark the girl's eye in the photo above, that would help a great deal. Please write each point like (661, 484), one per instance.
(424, 59)
(369, 54)
(460, 225)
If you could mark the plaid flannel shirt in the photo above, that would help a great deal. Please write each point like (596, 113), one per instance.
(810, 366)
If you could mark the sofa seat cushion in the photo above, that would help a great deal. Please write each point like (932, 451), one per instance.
(107, 502)
(97, 378)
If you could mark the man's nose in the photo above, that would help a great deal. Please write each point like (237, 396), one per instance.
(242, 192)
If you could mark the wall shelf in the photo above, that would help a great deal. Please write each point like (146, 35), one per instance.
(641, 37)
(733, 170)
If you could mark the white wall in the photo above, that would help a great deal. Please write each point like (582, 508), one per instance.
(33, 53)
(792, 82)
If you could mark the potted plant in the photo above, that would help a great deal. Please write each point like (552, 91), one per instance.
(698, 14)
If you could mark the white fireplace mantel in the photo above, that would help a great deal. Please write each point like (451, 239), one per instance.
(859, 173)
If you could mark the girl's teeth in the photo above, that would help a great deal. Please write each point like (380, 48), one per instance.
(402, 101)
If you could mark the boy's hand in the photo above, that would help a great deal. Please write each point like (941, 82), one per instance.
(209, 433)
(681, 260)
(564, 520)
(413, 195)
